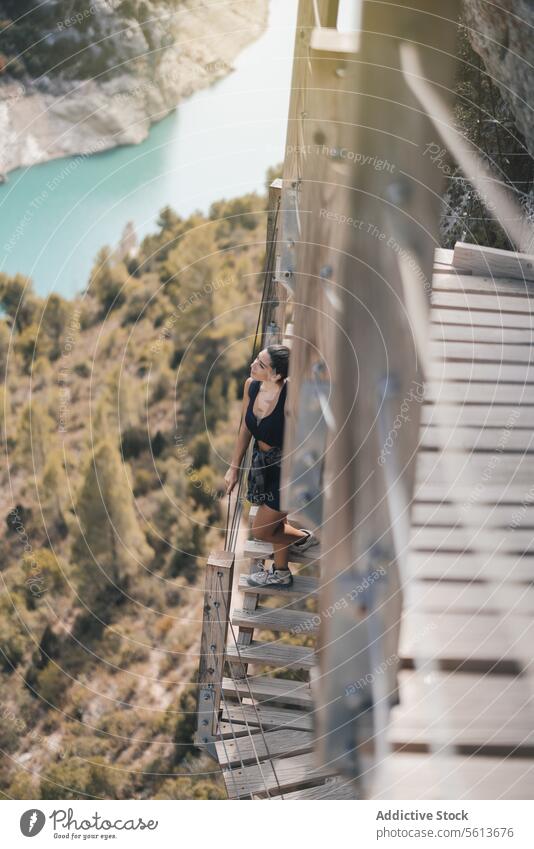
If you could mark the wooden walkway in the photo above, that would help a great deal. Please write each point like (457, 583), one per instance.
(266, 748)
(464, 724)
(464, 727)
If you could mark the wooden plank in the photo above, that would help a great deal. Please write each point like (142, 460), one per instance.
(487, 318)
(216, 610)
(470, 493)
(483, 643)
(479, 393)
(270, 691)
(277, 619)
(460, 597)
(444, 256)
(468, 567)
(252, 748)
(411, 776)
(301, 588)
(481, 352)
(477, 416)
(498, 335)
(275, 776)
(228, 731)
(487, 714)
(475, 284)
(267, 716)
(487, 515)
(489, 373)
(502, 470)
(257, 550)
(273, 654)
(496, 262)
(473, 302)
(460, 539)
(467, 439)
(336, 789)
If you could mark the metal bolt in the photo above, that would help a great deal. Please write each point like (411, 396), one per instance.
(398, 192)
(335, 154)
(340, 72)
(213, 647)
(326, 272)
(205, 722)
(206, 697)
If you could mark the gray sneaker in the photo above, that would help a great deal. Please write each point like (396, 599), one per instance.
(301, 547)
(271, 578)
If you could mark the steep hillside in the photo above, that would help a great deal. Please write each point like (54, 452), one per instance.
(115, 416)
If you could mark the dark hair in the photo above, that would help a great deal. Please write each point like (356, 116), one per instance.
(279, 355)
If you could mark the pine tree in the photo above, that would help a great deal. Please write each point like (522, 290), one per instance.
(110, 548)
(34, 438)
(55, 492)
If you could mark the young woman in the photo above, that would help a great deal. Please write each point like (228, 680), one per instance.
(263, 418)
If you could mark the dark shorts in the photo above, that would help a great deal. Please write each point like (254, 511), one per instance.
(264, 477)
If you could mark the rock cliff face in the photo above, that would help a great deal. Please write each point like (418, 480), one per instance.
(82, 76)
(503, 36)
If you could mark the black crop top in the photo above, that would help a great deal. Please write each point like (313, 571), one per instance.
(271, 427)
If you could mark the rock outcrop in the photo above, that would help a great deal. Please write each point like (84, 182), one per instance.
(503, 36)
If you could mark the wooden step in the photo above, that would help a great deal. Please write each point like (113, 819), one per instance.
(332, 789)
(269, 691)
(482, 643)
(482, 318)
(277, 619)
(457, 566)
(462, 539)
(464, 597)
(482, 714)
(480, 352)
(266, 717)
(485, 515)
(462, 439)
(264, 551)
(274, 777)
(273, 654)
(474, 302)
(252, 748)
(301, 587)
(412, 776)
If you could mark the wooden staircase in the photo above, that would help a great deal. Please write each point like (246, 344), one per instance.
(266, 740)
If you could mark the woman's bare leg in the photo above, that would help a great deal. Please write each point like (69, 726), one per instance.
(270, 526)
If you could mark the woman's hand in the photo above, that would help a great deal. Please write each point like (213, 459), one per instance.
(231, 477)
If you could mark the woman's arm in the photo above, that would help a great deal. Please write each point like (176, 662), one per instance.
(243, 439)
(244, 436)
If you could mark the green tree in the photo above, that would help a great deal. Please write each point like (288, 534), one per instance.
(5, 337)
(76, 779)
(55, 491)
(108, 280)
(110, 548)
(32, 343)
(18, 300)
(34, 437)
(55, 321)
